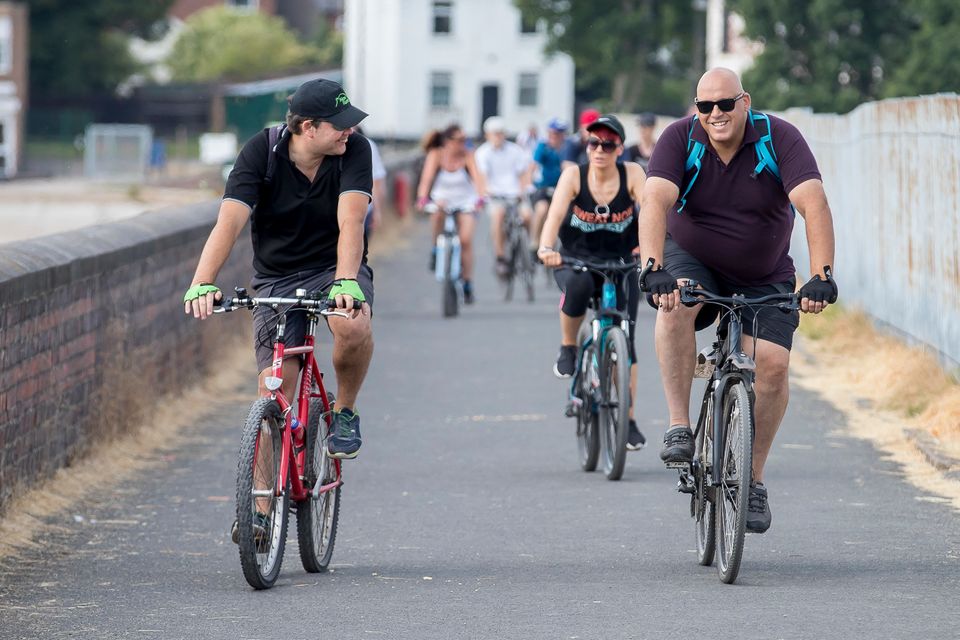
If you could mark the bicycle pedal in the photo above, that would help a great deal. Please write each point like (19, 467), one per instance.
(680, 466)
(683, 487)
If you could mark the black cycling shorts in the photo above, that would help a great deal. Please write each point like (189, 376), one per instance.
(773, 325)
(579, 288)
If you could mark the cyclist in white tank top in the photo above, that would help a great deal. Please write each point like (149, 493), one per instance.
(451, 181)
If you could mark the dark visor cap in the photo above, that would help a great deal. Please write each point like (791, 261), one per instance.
(325, 100)
(611, 122)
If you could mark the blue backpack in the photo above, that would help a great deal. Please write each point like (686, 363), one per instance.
(766, 156)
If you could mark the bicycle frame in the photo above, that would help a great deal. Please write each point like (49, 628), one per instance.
(289, 456)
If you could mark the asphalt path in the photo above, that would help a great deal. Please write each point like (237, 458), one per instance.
(467, 516)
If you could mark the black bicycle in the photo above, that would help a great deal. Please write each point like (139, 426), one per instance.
(600, 388)
(719, 478)
(517, 252)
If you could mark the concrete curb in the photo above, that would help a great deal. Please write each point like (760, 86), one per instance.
(930, 448)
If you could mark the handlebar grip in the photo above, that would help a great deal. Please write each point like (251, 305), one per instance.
(332, 304)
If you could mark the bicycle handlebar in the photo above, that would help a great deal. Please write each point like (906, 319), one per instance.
(690, 295)
(618, 266)
(325, 306)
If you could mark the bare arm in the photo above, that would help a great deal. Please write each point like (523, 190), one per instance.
(379, 200)
(567, 189)
(811, 202)
(351, 210)
(635, 180)
(430, 166)
(232, 218)
(659, 195)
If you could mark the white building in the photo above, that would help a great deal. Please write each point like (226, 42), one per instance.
(726, 44)
(414, 65)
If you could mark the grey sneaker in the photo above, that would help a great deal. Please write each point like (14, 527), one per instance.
(344, 440)
(677, 444)
(758, 511)
(566, 361)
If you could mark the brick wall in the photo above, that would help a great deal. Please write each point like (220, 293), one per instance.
(92, 328)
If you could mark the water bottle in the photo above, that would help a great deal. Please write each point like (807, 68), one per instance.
(296, 430)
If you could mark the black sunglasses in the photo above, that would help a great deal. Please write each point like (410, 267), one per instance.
(727, 104)
(609, 146)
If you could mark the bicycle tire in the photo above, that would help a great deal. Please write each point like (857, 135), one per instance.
(317, 518)
(449, 287)
(527, 268)
(733, 494)
(261, 558)
(701, 506)
(512, 256)
(588, 421)
(615, 413)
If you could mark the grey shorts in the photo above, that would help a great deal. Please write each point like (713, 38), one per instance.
(265, 320)
(773, 325)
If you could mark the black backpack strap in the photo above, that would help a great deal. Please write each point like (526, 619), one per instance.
(274, 136)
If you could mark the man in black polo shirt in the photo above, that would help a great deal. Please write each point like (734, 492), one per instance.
(307, 229)
(732, 236)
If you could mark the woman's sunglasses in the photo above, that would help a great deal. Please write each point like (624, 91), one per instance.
(726, 105)
(608, 146)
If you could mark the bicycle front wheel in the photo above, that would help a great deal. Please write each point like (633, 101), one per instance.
(588, 421)
(526, 269)
(615, 407)
(733, 494)
(450, 301)
(261, 515)
(317, 516)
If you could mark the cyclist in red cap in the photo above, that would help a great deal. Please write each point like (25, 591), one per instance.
(575, 151)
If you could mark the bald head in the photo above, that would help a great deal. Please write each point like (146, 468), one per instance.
(719, 81)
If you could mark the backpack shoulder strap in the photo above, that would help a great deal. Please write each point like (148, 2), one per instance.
(274, 136)
(766, 155)
(695, 151)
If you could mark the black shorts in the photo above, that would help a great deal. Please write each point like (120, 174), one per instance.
(579, 288)
(543, 193)
(773, 325)
(265, 320)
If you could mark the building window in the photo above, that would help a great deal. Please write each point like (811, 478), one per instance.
(247, 5)
(441, 88)
(6, 45)
(528, 23)
(442, 17)
(527, 96)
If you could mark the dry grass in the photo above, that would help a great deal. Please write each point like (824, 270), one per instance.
(906, 386)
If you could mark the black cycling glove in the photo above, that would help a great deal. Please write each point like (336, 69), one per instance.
(659, 282)
(819, 290)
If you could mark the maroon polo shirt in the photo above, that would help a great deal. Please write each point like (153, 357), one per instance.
(734, 224)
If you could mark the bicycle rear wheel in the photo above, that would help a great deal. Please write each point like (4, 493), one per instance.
(588, 421)
(261, 515)
(525, 265)
(450, 301)
(513, 264)
(615, 410)
(701, 505)
(734, 491)
(317, 517)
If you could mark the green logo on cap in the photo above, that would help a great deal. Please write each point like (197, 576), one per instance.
(342, 99)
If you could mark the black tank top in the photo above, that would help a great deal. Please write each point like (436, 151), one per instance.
(596, 231)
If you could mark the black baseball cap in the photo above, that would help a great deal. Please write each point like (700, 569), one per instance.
(609, 121)
(325, 100)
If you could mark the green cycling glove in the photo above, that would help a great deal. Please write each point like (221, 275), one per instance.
(346, 287)
(198, 290)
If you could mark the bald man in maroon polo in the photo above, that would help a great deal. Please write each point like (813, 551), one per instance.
(732, 236)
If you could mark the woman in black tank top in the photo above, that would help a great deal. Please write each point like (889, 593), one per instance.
(594, 215)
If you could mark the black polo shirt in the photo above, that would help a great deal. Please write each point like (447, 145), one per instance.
(294, 222)
(733, 223)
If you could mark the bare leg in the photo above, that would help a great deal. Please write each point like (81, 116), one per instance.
(676, 350)
(291, 372)
(772, 387)
(436, 224)
(467, 224)
(497, 212)
(569, 326)
(539, 217)
(352, 352)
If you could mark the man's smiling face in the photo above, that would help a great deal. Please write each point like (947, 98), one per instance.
(725, 128)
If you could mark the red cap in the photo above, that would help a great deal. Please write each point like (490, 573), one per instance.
(589, 116)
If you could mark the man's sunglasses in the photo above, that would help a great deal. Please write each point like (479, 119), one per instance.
(608, 146)
(727, 104)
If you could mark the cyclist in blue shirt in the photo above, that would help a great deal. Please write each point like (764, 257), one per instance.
(548, 156)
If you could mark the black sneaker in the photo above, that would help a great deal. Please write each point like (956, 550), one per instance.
(467, 292)
(261, 529)
(344, 440)
(566, 362)
(432, 264)
(758, 511)
(677, 444)
(635, 439)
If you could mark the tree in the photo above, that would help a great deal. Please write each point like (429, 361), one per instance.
(629, 54)
(80, 48)
(827, 54)
(222, 44)
(930, 61)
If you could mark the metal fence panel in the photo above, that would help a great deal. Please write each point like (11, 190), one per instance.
(891, 170)
(117, 151)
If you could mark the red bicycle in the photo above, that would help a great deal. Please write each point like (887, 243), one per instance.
(283, 454)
